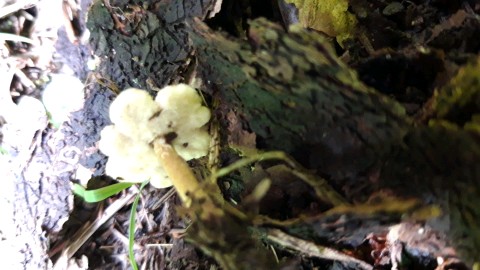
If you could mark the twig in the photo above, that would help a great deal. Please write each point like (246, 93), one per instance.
(311, 249)
(4, 11)
(88, 229)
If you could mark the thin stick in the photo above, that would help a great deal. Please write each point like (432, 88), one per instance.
(313, 250)
(182, 178)
(179, 172)
(88, 229)
(6, 10)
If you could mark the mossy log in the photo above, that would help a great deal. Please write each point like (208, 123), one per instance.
(293, 92)
(297, 96)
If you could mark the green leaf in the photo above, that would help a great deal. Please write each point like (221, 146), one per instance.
(131, 228)
(100, 194)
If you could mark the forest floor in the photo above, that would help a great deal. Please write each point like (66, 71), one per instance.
(48, 51)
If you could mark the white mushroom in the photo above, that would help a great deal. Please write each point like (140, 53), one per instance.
(147, 136)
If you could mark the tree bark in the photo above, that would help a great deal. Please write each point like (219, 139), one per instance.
(295, 94)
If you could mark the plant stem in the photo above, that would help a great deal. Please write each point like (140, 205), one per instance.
(182, 178)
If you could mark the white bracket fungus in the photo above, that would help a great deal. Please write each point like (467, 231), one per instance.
(139, 143)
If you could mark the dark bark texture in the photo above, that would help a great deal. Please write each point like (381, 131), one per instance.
(296, 95)
(152, 49)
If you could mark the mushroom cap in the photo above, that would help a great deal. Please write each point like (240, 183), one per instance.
(138, 120)
(132, 161)
(187, 105)
(178, 97)
(132, 111)
(129, 170)
(193, 144)
(60, 100)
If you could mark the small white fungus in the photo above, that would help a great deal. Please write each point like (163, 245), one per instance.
(176, 114)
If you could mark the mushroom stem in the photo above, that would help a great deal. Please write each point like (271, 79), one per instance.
(182, 177)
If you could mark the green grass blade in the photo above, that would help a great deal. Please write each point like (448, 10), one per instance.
(131, 228)
(100, 194)
(15, 38)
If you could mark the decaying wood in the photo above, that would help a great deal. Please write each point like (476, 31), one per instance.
(295, 95)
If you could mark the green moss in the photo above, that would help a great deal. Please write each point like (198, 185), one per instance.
(329, 16)
(459, 101)
(473, 125)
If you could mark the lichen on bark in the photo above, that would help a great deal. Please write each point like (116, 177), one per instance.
(297, 96)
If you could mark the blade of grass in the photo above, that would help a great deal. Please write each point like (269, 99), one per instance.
(88, 229)
(100, 194)
(131, 227)
(15, 38)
